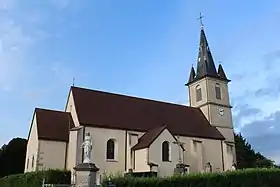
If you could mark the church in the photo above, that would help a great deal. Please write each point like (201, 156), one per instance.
(138, 135)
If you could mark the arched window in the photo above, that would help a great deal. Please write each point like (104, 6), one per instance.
(218, 91)
(165, 151)
(32, 162)
(110, 153)
(27, 164)
(198, 93)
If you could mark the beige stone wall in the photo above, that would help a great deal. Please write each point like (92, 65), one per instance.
(32, 147)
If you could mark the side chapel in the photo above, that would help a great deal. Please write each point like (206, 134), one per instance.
(137, 135)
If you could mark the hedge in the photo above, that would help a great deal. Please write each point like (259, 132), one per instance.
(35, 179)
(239, 178)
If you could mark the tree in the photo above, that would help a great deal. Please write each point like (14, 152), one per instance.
(246, 157)
(12, 157)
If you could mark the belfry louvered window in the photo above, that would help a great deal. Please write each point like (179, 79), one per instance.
(218, 91)
(198, 93)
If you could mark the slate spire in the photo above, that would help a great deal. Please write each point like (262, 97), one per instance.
(205, 62)
(222, 74)
(192, 75)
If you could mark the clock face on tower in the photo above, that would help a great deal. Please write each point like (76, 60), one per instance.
(221, 111)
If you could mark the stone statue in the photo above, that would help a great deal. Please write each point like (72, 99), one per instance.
(233, 168)
(87, 145)
(208, 167)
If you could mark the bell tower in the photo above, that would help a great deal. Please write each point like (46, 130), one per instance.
(208, 90)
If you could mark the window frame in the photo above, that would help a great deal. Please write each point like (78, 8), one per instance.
(111, 149)
(218, 91)
(198, 93)
(165, 151)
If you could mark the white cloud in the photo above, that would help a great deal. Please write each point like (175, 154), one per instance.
(14, 44)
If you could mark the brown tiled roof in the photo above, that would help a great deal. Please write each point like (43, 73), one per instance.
(148, 138)
(53, 125)
(108, 110)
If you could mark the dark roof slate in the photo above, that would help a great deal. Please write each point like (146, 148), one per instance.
(109, 110)
(148, 138)
(205, 63)
(53, 125)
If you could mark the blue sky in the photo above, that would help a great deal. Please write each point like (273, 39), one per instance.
(142, 48)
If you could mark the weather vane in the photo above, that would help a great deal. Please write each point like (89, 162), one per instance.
(200, 18)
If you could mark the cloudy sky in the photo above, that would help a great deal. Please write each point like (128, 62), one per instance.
(142, 48)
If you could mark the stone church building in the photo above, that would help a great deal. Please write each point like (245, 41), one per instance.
(132, 134)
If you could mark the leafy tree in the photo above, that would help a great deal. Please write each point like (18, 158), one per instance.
(247, 158)
(12, 157)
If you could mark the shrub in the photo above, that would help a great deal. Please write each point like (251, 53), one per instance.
(35, 179)
(239, 178)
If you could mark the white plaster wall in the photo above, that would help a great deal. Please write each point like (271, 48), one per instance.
(32, 147)
(72, 151)
(155, 154)
(53, 154)
(70, 107)
(141, 160)
(209, 150)
(132, 139)
(228, 156)
(100, 137)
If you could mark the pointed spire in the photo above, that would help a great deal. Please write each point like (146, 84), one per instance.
(192, 75)
(205, 64)
(221, 73)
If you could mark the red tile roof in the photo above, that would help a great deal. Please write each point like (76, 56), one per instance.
(53, 125)
(109, 110)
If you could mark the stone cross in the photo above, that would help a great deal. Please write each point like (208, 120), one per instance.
(87, 145)
(180, 145)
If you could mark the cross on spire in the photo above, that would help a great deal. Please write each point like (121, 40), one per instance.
(200, 18)
(73, 84)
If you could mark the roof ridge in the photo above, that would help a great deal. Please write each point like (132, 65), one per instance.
(132, 97)
(50, 110)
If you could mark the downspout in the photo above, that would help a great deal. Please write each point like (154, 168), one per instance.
(66, 154)
(222, 149)
(125, 147)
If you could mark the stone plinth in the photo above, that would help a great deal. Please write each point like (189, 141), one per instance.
(181, 169)
(86, 174)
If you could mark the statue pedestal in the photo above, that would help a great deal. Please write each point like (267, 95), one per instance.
(86, 174)
(181, 169)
